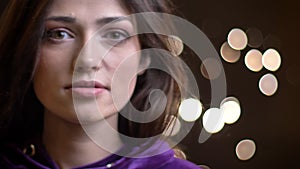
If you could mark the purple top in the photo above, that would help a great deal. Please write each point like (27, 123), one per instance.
(12, 157)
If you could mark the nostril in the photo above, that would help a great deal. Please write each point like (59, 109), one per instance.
(87, 64)
(79, 69)
(96, 68)
(87, 68)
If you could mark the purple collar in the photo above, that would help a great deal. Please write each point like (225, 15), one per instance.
(12, 157)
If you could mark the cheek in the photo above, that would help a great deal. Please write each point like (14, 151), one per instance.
(50, 76)
(53, 66)
(125, 65)
(43, 83)
(40, 79)
(42, 76)
(123, 81)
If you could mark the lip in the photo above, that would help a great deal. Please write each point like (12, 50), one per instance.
(86, 88)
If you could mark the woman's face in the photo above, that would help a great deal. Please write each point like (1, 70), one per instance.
(79, 58)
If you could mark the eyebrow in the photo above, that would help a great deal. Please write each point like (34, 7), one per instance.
(101, 21)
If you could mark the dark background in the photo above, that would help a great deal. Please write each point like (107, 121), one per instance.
(272, 122)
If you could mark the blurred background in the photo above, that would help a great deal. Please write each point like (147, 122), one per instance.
(272, 122)
(268, 124)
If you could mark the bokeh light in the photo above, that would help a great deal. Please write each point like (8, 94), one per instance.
(213, 120)
(245, 149)
(237, 39)
(255, 37)
(211, 68)
(190, 109)
(253, 60)
(228, 54)
(231, 110)
(268, 84)
(271, 60)
(173, 128)
(176, 45)
(179, 153)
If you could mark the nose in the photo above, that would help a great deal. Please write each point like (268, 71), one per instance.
(89, 58)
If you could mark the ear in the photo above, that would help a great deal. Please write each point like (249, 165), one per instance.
(144, 64)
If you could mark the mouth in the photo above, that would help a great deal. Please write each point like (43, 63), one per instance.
(86, 88)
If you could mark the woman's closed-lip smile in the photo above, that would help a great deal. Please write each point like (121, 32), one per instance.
(86, 88)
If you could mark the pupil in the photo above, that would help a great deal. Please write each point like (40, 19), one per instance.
(60, 34)
(116, 35)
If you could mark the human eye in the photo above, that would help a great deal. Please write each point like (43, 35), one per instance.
(58, 35)
(115, 36)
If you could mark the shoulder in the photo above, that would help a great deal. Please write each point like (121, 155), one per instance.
(166, 160)
(13, 156)
(176, 163)
(157, 162)
(160, 156)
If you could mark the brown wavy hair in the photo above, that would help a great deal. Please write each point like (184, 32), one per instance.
(21, 31)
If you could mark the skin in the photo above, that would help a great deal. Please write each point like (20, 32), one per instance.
(73, 49)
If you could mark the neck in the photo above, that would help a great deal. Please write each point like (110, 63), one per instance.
(70, 146)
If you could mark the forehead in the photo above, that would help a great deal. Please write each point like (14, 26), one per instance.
(90, 9)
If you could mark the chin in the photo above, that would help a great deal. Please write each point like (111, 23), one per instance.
(92, 117)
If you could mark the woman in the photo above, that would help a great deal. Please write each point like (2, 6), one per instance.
(60, 63)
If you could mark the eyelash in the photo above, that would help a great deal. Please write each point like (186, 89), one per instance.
(107, 37)
(52, 35)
